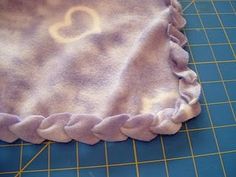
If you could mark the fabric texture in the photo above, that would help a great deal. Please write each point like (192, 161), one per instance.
(93, 70)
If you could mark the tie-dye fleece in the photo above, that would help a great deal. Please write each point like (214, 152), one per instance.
(93, 70)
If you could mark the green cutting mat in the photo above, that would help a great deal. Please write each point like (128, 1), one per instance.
(205, 146)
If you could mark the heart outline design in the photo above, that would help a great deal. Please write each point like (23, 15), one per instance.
(54, 29)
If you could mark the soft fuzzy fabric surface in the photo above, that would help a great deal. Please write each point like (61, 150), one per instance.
(93, 70)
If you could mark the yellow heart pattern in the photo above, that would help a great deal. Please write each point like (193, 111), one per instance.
(54, 29)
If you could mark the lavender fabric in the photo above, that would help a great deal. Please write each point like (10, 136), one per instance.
(93, 70)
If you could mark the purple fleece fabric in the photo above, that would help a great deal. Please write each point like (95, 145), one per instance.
(93, 70)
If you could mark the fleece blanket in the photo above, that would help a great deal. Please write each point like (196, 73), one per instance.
(93, 70)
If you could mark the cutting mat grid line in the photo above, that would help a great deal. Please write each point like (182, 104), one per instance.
(223, 172)
(205, 146)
